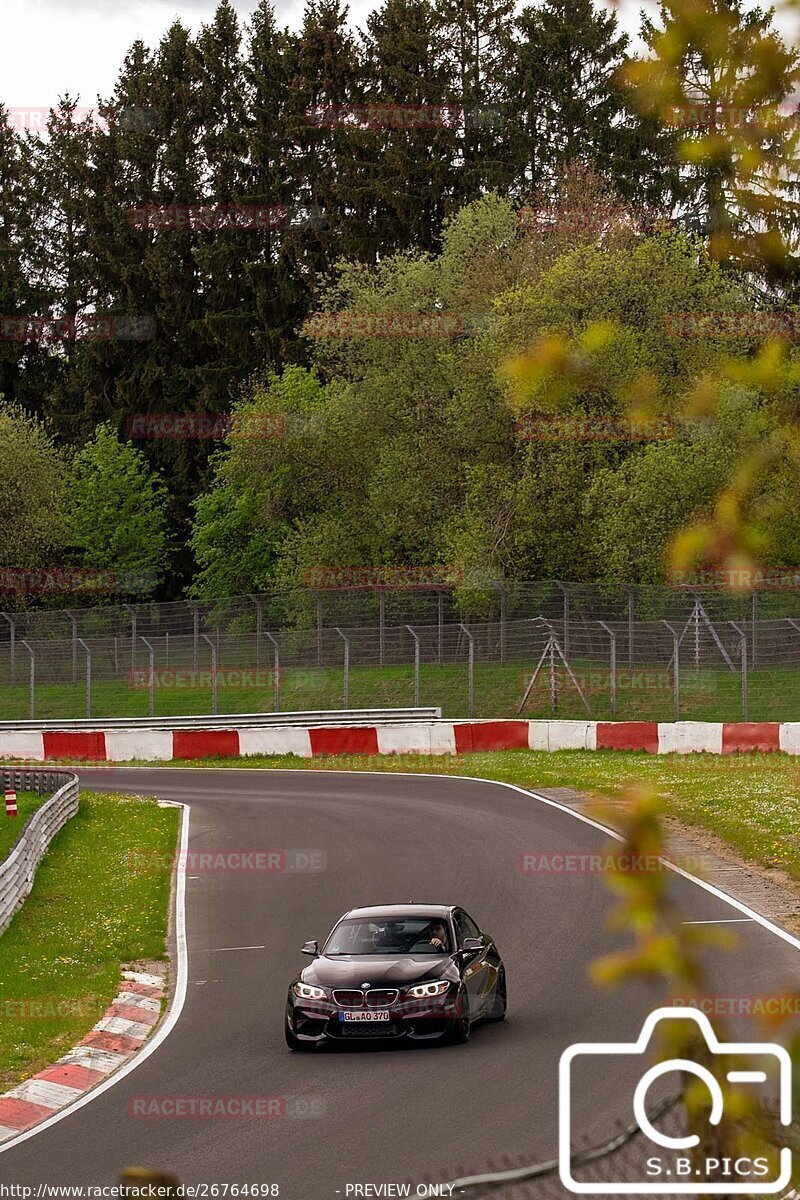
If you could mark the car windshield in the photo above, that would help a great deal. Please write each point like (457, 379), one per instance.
(412, 935)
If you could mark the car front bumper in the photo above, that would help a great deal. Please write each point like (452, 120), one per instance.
(317, 1021)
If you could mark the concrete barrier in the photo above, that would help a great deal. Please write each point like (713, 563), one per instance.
(18, 870)
(690, 737)
(424, 736)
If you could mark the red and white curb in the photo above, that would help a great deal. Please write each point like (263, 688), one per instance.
(124, 1028)
(412, 737)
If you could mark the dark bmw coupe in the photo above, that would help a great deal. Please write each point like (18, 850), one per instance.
(416, 971)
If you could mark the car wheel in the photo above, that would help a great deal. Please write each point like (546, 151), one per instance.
(462, 1025)
(497, 1011)
(294, 1043)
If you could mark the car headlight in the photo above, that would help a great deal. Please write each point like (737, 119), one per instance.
(307, 991)
(437, 988)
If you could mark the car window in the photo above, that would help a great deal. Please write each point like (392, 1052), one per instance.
(465, 927)
(412, 935)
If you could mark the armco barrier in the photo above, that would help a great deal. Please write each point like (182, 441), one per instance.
(420, 736)
(18, 870)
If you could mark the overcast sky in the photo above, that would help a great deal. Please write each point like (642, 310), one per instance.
(49, 47)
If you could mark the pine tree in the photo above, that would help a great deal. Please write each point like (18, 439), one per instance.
(412, 171)
(331, 151)
(280, 296)
(570, 104)
(20, 360)
(63, 271)
(479, 37)
(232, 347)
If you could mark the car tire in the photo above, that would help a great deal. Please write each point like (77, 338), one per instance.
(294, 1043)
(462, 1024)
(499, 1005)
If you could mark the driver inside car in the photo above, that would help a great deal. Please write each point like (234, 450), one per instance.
(433, 941)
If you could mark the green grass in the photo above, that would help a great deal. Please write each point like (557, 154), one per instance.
(751, 801)
(100, 899)
(12, 827)
(710, 695)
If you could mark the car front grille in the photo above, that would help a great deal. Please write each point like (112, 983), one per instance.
(380, 998)
(346, 999)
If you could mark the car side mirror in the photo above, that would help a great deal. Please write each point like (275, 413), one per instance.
(311, 948)
(472, 946)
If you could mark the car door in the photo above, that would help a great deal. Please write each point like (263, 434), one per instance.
(475, 970)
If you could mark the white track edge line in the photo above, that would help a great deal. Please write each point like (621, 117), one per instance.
(173, 1014)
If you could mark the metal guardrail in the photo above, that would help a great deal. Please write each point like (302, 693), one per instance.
(18, 870)
(355, 716)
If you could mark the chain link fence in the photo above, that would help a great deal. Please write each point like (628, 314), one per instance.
(536, 650)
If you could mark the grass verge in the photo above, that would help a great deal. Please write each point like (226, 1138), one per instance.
(12, 827)
(751, 801)
(713, 693)
(89, 912)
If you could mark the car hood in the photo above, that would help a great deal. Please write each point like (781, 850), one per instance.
(352, 970)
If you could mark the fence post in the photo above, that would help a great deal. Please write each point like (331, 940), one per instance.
(613, 637)
(129, 608)
(195, 633)
(214, 697)
(277, 671)
(259, 623)
(12, 646)
(440, 622)
(88, 677)
(471, 641)
(346, 681)
(696, 618)
(629, 590)
(319, 628)
(381, 626)
(152, 678)
(503, 620)
(676, 678)
(74, 620)
(745, 681)
(565, 592)
(33, 675)
(416, 665)
(754, 618)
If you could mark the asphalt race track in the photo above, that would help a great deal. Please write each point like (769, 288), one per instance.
(375, 1115)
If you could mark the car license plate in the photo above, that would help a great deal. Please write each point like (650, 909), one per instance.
(365, 1014)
